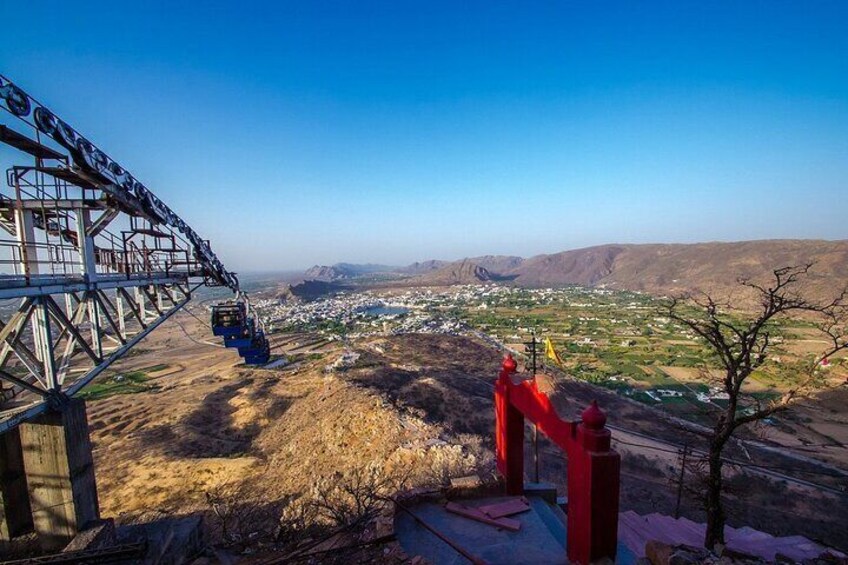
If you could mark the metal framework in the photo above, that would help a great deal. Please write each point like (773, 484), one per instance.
(91, 261)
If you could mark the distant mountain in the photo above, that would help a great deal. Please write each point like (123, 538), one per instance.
(356, 269)
(660, 269)
(460, 272)
(309, 290)
(498, 264)
(324, 273)
(423, 267)
(344, 271)
(580, 266)
(677, 268)
(492, 263)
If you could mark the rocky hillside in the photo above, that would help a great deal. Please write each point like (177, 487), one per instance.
(324, 273)
(264, 452)
(581, 266)
(461, 272)
(309, 290)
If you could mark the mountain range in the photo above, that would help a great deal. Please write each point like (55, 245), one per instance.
(655, 268)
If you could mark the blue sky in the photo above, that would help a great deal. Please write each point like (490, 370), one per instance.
(314, 132)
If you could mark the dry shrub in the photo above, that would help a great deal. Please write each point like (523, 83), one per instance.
(436, 465)
(354, 498)
(242, 513)
(298, 520)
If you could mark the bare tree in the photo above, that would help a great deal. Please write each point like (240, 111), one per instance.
(742, 345)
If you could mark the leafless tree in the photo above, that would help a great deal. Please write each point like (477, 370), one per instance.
(742, 345)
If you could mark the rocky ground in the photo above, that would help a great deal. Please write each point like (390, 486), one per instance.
(245, 446)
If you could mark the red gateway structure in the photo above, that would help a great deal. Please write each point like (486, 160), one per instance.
(593, 468)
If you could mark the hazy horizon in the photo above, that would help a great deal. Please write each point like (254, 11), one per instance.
(289, 271)
(377, 132)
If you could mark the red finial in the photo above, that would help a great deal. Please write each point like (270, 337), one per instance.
(509, 364)
(593, 417)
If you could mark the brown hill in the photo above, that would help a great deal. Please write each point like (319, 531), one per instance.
(676, 268)
(423, 267)
(460, 272)
(324, 273)
(306, 291)
(580, 266)
(498, 263)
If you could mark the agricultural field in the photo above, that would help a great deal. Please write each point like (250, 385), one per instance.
(622, 341)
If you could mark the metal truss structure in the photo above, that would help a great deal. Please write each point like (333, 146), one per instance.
(91, 261)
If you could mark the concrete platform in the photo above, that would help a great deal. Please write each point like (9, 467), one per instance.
(170, 541)
(541, 538)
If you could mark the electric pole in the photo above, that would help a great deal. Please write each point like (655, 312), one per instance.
(530, 349)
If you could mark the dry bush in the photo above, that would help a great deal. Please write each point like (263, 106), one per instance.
(353, 498)
(297, 521)
(243, 513)
(435, 465)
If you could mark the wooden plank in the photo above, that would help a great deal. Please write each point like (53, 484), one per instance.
(506, 508)
(475, 514)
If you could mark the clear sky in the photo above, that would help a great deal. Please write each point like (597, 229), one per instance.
(314, 132)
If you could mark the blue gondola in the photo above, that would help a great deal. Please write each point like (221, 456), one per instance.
(255, 346)
(259, 351)
(243, 338)
(229, 319)
(257, 360)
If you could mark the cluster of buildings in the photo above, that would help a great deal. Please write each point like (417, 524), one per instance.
(344, 308)
(373, 312)
(427, 310)
(424, 310)
(391, 312)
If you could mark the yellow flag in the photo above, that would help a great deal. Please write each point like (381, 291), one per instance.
(551, 353)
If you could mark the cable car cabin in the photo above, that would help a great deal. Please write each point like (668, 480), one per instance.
(256, 346)
(258, 352)
(229, 319)
(258, 359)
(245, 336)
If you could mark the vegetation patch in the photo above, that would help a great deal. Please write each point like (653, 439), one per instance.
(122, 383)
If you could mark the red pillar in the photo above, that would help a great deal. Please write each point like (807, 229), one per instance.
(593, 488)
(509, 433)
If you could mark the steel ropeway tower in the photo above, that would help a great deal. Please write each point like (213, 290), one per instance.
(91, 261)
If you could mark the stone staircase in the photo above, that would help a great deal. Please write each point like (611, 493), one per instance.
(634, 531)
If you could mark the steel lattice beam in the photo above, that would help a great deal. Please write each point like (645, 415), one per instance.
(93, 258)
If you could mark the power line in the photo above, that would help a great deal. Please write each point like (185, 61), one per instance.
(733, 462)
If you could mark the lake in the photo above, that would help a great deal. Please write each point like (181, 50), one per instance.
(385, 311)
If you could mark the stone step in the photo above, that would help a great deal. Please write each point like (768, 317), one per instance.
(796, 547)
(636, 530)
(646, 530)
(748, 534)
(631, 538)
(694, 529)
